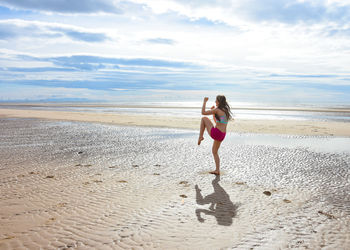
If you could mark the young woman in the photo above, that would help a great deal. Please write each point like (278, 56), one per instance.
(222, 114)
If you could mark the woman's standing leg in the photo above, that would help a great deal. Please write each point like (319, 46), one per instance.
(205, 124)
(215, 149)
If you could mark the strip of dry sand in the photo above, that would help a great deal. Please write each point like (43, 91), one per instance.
(292, 127)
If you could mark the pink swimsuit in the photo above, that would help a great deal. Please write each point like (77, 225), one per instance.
(216, 134)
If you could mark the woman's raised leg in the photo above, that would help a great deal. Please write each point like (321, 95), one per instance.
(215, 149)
(205, 124)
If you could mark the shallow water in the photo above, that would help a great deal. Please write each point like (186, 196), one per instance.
(307, 177)
(181, 110)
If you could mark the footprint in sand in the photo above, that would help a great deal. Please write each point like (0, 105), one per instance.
(52, 219)
(7, 238)
(184, 183)
(81, 165)
(62, 204)
(240, 183)
(330, 216)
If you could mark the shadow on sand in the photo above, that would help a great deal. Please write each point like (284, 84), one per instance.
(220, 204)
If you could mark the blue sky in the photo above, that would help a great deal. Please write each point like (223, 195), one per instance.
(261, 51)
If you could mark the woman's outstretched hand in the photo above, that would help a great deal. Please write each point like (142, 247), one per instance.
(206, 99)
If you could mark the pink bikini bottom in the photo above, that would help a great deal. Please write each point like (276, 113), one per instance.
(216, 134)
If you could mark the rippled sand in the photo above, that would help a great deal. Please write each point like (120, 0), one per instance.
(82, 185)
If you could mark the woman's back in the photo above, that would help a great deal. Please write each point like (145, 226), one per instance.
(221, 120)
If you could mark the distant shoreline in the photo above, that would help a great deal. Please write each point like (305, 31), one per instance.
(98, 105)
(288, 127)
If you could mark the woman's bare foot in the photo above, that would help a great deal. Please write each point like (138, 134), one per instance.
(215, 172)
(200, 139)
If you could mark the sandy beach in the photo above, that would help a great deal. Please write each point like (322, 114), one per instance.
(108, 181)
(326, 128)
(172, 124)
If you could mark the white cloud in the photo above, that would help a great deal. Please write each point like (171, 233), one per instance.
(10, 92)
(233, 41)
(64, 6)
(17, 28)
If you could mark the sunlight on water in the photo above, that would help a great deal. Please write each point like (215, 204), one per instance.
(240, 110)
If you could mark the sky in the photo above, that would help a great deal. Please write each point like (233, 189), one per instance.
(260, 51)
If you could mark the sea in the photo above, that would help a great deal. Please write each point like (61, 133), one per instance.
(240, 110)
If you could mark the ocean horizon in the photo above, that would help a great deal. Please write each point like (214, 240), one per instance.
(191, 109)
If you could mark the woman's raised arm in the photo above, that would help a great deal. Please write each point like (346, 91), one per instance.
(209, 112)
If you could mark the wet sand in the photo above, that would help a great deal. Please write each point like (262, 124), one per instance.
(87, 185)
(326, 128)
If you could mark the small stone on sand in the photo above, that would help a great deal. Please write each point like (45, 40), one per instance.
(80, 152)
(183, 195)
(122, 181)
(268, 193)
(156, 174)
(49, 176)
(183, 182)
(287, 201)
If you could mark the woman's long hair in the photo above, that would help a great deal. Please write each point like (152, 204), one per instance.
(223, 105)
